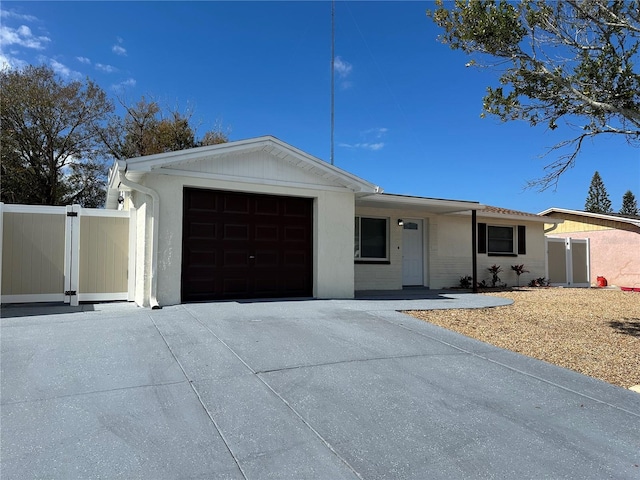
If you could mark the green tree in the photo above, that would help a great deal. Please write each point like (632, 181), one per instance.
(629, 204)
(50, 147)
(570, 61)
(597, 198)
(146, 129)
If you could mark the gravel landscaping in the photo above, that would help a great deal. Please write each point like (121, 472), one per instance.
(592, 331)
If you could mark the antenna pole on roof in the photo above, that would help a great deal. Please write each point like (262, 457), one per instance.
(333, 53)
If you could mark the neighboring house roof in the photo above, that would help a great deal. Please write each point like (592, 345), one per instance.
(613, 217)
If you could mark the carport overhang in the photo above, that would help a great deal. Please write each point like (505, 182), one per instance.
(438, 206)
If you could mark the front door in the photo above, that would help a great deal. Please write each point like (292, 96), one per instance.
(412, 253)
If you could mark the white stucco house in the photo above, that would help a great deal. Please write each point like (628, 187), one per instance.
(259, 218)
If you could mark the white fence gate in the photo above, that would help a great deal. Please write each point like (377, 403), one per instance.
(65, 254)
(568, 262)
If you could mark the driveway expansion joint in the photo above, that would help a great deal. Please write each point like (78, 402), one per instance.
(282, 399)
(202, 403)
(92, 392)
(357, 360)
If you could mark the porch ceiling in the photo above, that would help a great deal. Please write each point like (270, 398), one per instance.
(422, 204)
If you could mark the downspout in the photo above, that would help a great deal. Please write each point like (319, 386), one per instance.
(155, 200)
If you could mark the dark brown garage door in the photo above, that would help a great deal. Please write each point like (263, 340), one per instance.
(239, 245)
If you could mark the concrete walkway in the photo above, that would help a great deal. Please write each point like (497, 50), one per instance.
(300, 389)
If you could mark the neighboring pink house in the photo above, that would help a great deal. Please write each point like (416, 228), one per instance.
(614, 242)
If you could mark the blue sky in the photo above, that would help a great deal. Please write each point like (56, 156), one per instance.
(407, 110)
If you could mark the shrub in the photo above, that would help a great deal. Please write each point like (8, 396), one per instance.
(494, 270)
(519, 269)
(466, 281)
(539, 282)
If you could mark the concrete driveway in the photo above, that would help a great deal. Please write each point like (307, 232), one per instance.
(299, 389)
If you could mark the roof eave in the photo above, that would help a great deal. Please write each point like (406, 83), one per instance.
(601, 216)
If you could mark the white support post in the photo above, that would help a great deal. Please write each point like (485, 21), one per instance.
(131, 269)
(72, 254)
(1, 235)
(588, 262)
(569, 262)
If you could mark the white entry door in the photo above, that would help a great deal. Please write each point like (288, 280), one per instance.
(412, 253)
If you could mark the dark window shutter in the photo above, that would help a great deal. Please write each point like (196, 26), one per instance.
(482, 238)
(522, 240)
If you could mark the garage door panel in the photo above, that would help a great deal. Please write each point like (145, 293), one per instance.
(266, 233)
(235, 203)
(235, 259)
(267, 259)
(202, 230)
(201, 257)
(295, 259)
(295, 234)
(201, 201)
(235, 287)
(297, 207)
(267, 206)
(236, 232)
(245, 246)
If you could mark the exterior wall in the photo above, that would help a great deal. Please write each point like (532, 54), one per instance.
(332, 242)
(580, 223)
(534, 260)
(448, 252)
(383, 276)
(574, 226)
(614, 255)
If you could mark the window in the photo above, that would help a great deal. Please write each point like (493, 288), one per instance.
(501, 240)
(371, 239)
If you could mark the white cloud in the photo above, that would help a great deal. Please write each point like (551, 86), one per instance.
(22, 36)
(18, 16)
(11, 63)
(118, 50)
(365, 146)
(84, 60)
(378, 132)
(129, 82)
(106, 68)
(342, 67)
(370, 140)
(63, 70)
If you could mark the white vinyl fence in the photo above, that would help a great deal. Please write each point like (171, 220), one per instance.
(65, 254)
(568, 262)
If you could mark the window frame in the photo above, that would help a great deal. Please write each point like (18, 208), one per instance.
(357, 239)
(514, 241)
(519, 239)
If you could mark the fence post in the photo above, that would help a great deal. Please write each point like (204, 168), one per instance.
(569, 261)
(72, 255)
(1, 235)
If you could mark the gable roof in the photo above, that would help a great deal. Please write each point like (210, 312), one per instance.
(613, 217)
(171, 163)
